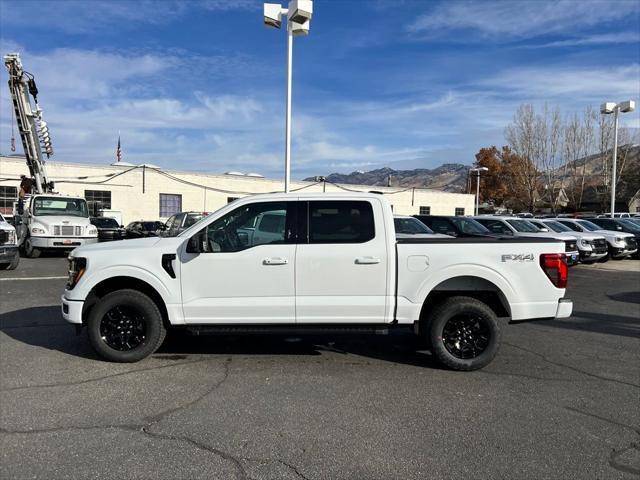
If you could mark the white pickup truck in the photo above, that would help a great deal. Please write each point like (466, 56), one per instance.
(334, 264)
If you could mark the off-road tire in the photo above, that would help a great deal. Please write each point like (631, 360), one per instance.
(460, 307)
(155, 331)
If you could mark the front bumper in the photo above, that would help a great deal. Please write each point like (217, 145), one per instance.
(591, 256)
(72, 310)
(565, 308)
(572, 257)
(621, 252)
(8, 253)
(61, 242)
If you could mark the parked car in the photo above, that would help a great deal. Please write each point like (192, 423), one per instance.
(592, 247)
(180, 222)
(334, 265)
(519, 227)
(457, 226)
(143, 229)
(620, 244)
(615, 215)
(9, 254)
(108, 229)
(409, 227)
(622, 224)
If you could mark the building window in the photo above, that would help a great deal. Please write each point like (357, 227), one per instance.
(459, 212)
(425, 210)
(232, 199)
(170, 204)
(8, 195)
(101, 198)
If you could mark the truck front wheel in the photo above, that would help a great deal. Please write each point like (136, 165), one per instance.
(125, 326)
(464, 333)
(29, 249)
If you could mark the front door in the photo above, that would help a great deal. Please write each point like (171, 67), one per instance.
(245, 271)
(341, 269)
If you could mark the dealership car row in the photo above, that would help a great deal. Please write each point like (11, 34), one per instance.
(587, 240)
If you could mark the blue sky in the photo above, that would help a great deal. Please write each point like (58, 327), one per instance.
(199, 85)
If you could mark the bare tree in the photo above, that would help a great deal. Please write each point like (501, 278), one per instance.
(577, 145)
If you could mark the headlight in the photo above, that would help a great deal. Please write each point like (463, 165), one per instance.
(585, 243)
(38, 230)
(619, 239)
(11, 238)
(77, 267)
(92, 231)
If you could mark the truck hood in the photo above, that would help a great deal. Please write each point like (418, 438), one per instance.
(126, 246)
(6, 226)
(611, 235)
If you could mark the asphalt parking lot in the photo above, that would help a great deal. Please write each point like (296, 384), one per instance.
(561, 400)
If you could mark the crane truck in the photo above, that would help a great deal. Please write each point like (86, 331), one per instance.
(44, 219)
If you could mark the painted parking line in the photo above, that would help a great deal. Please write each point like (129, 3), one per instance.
(14, 279)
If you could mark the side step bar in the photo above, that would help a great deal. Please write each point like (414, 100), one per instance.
(285, 329)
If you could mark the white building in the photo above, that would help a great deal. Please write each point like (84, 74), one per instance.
(146, 193)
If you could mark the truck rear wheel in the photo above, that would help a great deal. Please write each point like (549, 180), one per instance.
(12, 265)
(464, 333)
(125, 326)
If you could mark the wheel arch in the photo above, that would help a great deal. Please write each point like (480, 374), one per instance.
(123, 282)
(468, 286)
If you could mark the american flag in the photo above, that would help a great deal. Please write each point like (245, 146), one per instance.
(119, 150)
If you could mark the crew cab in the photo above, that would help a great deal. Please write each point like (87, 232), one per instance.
(334, 264)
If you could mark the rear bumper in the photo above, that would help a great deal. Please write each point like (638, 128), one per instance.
(61, 242)
(72, 310)
(565, 308)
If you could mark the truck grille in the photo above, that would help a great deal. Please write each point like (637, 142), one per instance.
(570, 246)
(631, 243)
(600, 245)
(4, 236)
(67, 230)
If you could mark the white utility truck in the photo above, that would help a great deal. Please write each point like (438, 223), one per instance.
(44, 220)
(334, 264)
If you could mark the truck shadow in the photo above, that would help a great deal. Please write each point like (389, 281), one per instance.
(44, 327)
(599, 323)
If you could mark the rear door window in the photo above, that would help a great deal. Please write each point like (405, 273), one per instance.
(340, 222)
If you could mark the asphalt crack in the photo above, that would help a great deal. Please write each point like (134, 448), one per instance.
(575, 369)
(105, 377)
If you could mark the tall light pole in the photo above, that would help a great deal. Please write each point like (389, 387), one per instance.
(298, 18)
(478, 170)
(615, 108)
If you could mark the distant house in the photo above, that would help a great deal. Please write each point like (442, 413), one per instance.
(634, 203)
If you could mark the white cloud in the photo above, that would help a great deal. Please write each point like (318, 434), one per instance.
(513, 19)
(593, 40)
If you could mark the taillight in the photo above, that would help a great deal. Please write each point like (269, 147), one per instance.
(555, 267)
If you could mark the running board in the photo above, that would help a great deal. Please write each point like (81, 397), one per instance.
(285, 329)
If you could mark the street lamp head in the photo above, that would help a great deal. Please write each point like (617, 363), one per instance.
(627, 107)
(480, 169)
(299, 29)
(272, 15)
(607, 108)
(300, 11)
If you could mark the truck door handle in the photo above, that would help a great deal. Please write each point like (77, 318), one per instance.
(275, 261)
(367, 260)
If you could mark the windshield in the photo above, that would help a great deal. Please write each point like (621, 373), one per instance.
(468, 225)
(192, 219)
(2, 218)
(152, 226)
(103, 222)
(70, 207)
(558, 227)
(592, 227)
(630, 225)
(523, 226)
(410, 226)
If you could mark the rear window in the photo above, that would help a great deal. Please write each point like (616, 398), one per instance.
(340, 222)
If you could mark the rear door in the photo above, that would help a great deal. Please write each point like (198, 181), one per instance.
(341, 263)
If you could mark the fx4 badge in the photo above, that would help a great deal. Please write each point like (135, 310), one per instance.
(518, 257)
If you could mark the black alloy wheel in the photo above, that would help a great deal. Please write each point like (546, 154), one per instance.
(466, 336)
(123, 328)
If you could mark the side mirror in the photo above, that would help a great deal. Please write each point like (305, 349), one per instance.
(193, 245)
(121, 226)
